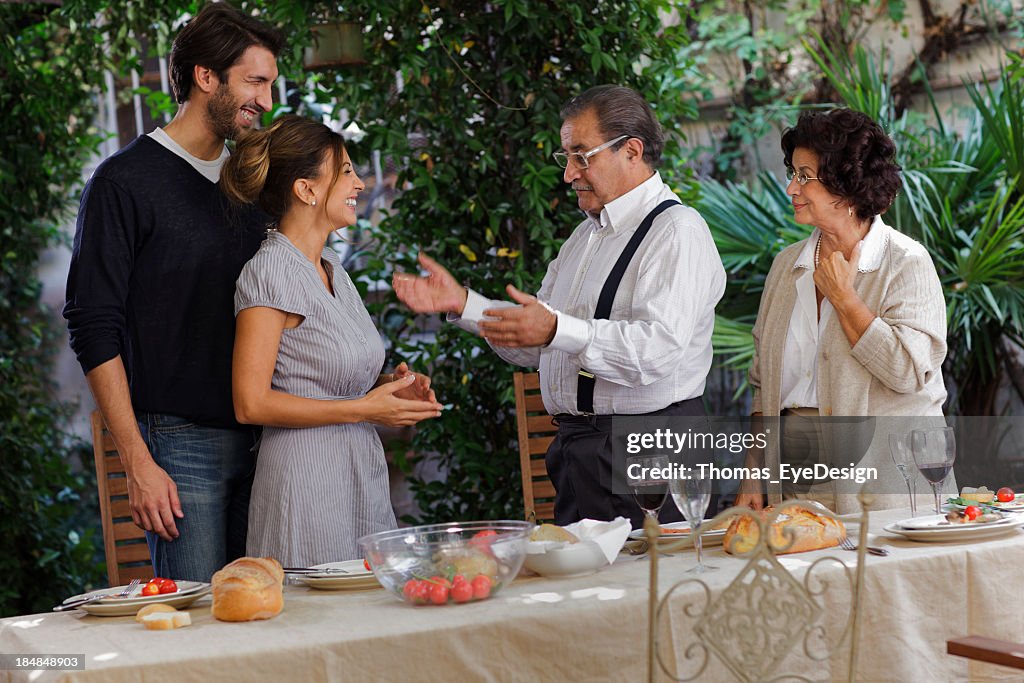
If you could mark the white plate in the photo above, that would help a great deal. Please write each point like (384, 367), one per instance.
(710, 536)
(188, 592)
(356, 577)
(940, 523)
(955, 533)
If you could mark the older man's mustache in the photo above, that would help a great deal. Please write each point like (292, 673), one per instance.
(582, 188)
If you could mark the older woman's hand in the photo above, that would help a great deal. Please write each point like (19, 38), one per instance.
(834, 276)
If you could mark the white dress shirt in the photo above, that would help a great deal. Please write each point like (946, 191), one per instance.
(800, 356)
(655, 349)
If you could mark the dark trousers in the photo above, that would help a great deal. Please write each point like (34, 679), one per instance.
(579, 462)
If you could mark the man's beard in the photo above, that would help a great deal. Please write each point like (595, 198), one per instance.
(221, 112)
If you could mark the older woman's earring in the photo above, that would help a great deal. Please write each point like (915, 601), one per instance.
(849, 209)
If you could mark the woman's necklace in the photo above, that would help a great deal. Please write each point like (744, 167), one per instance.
(817, 252)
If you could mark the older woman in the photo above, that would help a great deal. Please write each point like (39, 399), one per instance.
(852, 320)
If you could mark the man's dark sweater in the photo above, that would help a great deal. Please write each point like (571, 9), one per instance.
(157, 251)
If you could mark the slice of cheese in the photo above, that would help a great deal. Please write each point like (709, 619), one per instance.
(165, 621)
(980, 495)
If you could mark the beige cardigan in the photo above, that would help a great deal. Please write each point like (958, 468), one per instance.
(895, 369)
(896, 366)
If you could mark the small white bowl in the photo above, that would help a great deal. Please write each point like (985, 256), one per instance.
(569, 559)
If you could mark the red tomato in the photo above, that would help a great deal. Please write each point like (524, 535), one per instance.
(462, 591)
(151, 588)
(972, 511)
(168, 586)
(417, 592)
(483, 539)
(440, 581)
(366, 565)
(481, 586)
(1005, 495)
(438, 593)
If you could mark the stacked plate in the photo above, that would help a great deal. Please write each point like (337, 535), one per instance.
(936, 528)
(188, 592)
(340, 576)
(674, 532)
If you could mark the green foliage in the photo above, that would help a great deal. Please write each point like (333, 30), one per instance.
(472, 128)
(48, 549)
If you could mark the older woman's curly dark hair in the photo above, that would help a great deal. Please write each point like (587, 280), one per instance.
(855, 157)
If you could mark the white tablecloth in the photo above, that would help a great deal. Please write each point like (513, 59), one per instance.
(590, 628)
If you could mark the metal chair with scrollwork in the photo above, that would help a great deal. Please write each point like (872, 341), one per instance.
(772, 622)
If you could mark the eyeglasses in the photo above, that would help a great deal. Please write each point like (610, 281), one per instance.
(581, 160)
(801, 177)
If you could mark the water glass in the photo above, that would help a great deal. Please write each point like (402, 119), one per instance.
(899, 448)
(934, 452)
(692, 495)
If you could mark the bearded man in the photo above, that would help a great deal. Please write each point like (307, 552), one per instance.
(149, 298)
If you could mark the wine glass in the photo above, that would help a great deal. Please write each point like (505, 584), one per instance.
(649, 488)
(899, 448)
(934, 452)
(691, 495)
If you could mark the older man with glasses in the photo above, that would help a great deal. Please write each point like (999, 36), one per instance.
(622, 322)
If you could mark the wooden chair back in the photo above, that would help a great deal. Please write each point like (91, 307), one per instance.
(123, 542)
(536, 432)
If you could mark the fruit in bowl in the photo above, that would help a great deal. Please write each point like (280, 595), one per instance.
(439, 564)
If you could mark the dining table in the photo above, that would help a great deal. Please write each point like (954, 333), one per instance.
(582, 628)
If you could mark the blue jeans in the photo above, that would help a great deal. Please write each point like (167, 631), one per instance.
(213, 469)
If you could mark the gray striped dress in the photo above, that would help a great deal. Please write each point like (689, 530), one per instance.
(317, 489)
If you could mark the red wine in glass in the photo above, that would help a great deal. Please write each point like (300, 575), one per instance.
(937, 472)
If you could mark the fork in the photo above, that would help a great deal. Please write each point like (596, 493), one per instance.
(85, 601)
(846, 544)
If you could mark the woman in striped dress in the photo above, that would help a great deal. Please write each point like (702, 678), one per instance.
(307, 357)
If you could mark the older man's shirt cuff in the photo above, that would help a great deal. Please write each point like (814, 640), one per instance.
(472, 312)
(571, 334)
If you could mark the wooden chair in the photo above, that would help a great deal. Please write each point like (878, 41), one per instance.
(123, 542)
(990, 650)
(536, 432)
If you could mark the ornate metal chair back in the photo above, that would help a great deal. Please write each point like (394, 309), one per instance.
(781, 618)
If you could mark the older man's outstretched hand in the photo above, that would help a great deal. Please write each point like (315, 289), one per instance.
(532, 323)
(437, 292)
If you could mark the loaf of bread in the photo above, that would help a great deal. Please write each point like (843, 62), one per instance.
(810, 531)
(550, 532)
(248, 589)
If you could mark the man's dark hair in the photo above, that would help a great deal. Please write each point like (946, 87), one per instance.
(216, 38)
(856, 159)
(621, 111)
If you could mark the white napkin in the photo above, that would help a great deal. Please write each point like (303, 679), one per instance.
(610, 536)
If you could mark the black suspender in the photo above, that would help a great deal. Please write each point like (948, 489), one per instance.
(585, 384)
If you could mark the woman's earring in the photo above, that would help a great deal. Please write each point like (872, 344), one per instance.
(313, 203)
(849, 209)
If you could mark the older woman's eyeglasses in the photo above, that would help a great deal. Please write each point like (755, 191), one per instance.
(581, 160)
(801, 177)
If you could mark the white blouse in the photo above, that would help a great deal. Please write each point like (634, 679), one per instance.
(800, 356)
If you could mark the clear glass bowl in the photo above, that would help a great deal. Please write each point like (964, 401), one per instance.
(439, 564)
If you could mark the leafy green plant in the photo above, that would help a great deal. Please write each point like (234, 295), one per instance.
(48, 549)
